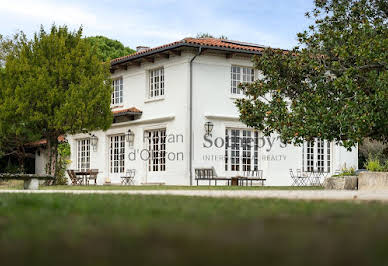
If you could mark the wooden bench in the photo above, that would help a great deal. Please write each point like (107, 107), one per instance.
(31, 181)
(254, 175)
(208, 174)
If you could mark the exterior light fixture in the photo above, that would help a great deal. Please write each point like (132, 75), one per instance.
(94, 141)
(209, 128)
(130, 138)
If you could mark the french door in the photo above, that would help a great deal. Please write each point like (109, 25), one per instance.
(155, 144)
(241, 150)
(317, 156)
(116, 156)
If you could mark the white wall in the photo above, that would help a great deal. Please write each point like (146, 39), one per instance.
(41, 160)
(170, 112)
(212, 101)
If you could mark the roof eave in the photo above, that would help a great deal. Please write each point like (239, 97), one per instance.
(124, 60)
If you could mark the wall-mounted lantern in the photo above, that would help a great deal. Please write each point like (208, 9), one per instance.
(94, 141)
(209, 128)
(130, 138)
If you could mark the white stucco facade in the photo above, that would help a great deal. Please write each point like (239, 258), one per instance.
(212, 101)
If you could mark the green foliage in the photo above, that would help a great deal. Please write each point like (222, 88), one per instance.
(15, 129)
(372, 149)
(62, 163)
(107, 49)
(335, 87)
(375, 165)
(56, 84)
(208, 35)
(347, 172)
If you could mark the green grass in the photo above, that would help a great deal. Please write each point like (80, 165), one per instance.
(19, 185)
(59, 229)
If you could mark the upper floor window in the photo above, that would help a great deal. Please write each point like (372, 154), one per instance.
(239, 75)
(156, 85)
(117, 95)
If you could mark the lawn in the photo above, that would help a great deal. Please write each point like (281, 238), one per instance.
(59, 229)
(19, 185)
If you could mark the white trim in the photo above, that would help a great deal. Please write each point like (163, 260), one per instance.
(222, 117)
(145, 121)
(156, 99)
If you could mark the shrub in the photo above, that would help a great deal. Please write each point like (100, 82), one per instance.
(346, 172)
(374, 165)
(372, 149)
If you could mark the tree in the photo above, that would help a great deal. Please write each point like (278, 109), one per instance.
(57, 85)
(208, 35)
(15, 131)
(108, 49)
(335, 87)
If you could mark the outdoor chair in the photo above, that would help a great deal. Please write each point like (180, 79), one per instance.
(92, 176)
(208, 174)
(75, 180)
(254, 175)
(295, 180)
(129, 177)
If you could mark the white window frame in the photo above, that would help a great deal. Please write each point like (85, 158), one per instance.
(117, 154)
(241, 150)
(238, 75)
(118, 91)
(83, 154)
(156, 146)
(317, 156)
(156, 83)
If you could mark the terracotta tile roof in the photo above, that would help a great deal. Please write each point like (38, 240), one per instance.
(128, 110)
(225, 44)
(193, 42)
(43, 142)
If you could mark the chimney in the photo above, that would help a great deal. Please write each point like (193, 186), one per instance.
(141, 48)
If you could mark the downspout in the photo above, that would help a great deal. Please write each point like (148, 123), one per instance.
(191, 117)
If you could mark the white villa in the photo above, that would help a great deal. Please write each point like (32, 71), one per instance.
(174, 112)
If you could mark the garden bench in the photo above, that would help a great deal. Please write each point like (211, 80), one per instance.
(208, 174)
(31, 181)
(254, 175)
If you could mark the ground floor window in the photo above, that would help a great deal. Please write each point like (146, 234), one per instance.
(317, 156)
(156, 142)
(241, 150)
(83, 154)
(117, 154)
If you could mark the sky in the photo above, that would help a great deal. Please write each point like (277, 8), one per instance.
(151, 23)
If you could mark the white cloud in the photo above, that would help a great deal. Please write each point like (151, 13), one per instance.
(47, 11)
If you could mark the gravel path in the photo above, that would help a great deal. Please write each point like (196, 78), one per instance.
(281, 194)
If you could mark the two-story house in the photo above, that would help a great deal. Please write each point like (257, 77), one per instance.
(174, 111)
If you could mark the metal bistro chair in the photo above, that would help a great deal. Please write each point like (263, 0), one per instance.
(303, 178)
(295, 180)
(129, 177)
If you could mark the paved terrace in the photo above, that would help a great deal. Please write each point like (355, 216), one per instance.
(280, 194)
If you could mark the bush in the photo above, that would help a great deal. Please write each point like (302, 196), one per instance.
(374, 165)
(346, 172)
(371, 149)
